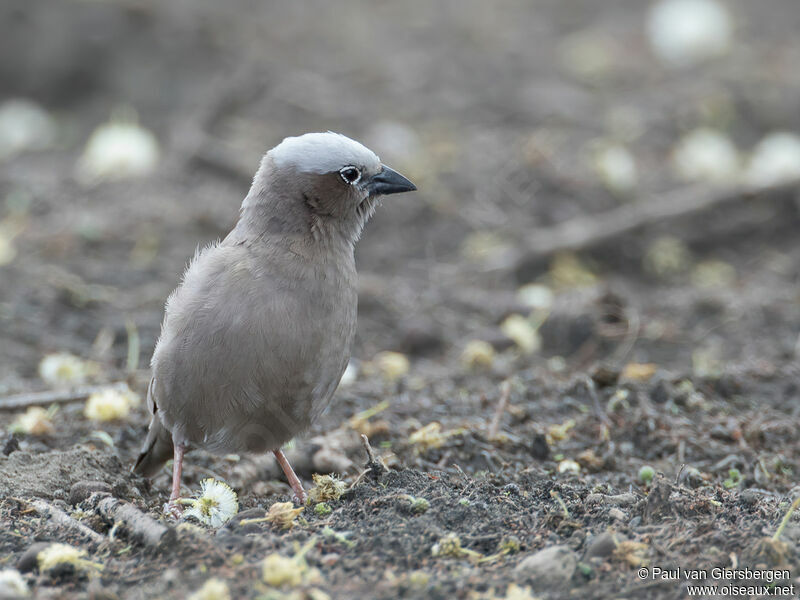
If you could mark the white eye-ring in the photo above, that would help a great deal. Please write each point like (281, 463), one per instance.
(350, 175)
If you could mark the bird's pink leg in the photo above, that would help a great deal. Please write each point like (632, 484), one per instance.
(297, 487)
(172, 507)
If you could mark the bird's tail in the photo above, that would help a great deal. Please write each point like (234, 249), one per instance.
(157, 449)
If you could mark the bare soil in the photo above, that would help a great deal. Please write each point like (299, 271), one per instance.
(477, 107)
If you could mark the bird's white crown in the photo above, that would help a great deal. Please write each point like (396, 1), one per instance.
(323, 153)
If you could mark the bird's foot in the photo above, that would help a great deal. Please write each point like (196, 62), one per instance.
(173, 509)
(299, 496)
(295, 483)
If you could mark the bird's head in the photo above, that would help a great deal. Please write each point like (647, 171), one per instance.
(328, 179)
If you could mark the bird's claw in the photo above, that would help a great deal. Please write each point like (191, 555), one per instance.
(172, 509)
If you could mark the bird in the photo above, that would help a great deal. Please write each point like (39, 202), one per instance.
(258, 333)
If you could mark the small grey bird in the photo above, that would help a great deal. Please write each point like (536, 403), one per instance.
(258, 334)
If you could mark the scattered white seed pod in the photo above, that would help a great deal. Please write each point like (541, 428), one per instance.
(111, 404)
(522, 332)
(391, 365)
(119, 149)
(278, 570)
(57, 556)
(684, 33)
(536, 296)
(12, 585)
(616, 167)
(216, 504)
(24, 126)
(8, 252)
(775, 159)
(35, 421)
(706, 155)
(477, 354)
(569, 466)
(667, 256)
(213, 589)
(714, 274)
(62, 369)
(326, 488)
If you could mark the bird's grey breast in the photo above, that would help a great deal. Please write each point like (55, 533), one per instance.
(254, 343)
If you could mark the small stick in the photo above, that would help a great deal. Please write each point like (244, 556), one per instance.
(590, 230)
(373, 462)
(785, 519)
(505, 394)
(141, 527)
(373, 465)
(55, 396)
(557, 497)
(60, 518)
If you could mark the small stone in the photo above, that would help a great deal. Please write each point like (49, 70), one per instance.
(329, 559)
(626, 499)
(330, 460)
(11, 444)
(552, 566)
(605, 376)
(30, 558)
(97, 590)
(691, 477)
(81, 490)
(539, 448)
(617, 514)
(420, 337)
(750, 497)
(601, 545)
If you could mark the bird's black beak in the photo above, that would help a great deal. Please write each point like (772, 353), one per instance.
(388, 181)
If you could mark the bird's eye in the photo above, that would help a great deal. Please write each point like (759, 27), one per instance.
(350, 175)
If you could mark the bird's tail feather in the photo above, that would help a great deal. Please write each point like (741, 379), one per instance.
(157, 449)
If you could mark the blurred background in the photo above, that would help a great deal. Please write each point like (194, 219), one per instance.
(590, 173)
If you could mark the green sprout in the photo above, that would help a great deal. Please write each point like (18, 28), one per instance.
(646, 474)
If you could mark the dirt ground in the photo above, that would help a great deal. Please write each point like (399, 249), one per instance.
(682, 357)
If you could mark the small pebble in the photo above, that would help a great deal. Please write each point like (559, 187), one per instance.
(601, 545)
(330, 460)
(626, 499)
(11, 444)
(552, 566)
(750, 497)
(30, 558)
(617, 514)
(81, 490)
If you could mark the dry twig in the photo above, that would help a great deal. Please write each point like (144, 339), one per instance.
(140, 526)
(61, 519)
(590, 230)
(502, 404)
(374, 466)
(78, 394)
